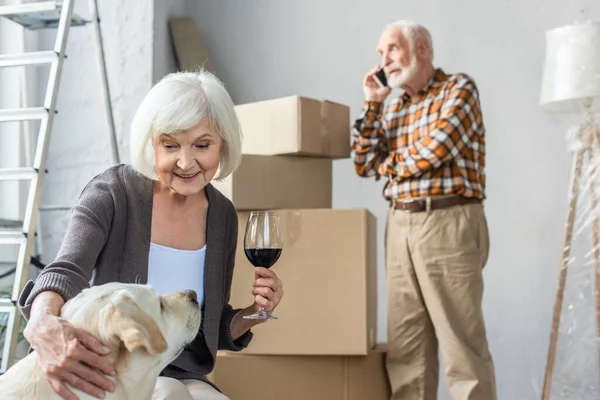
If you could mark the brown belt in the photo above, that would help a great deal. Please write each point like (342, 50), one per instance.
(418, 205)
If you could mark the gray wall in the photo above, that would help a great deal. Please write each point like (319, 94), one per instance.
(265, 49)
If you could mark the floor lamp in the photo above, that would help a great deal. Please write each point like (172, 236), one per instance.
(571, 84)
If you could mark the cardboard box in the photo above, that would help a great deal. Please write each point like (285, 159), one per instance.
(295, 125)
(269, 182)
(329, 272)
(242, 377)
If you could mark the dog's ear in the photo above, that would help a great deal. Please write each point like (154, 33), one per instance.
(131, 325)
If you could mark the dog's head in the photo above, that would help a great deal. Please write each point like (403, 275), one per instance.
(137, 318)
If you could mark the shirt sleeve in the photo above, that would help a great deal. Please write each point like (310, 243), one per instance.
(368, 141)
(449, 138)
(226, 341)
(85, 237)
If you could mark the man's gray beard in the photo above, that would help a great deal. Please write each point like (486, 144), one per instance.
(407, 74)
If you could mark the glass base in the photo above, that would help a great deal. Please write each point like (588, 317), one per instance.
(260, 314)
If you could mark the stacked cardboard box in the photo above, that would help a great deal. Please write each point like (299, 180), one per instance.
(323, 344)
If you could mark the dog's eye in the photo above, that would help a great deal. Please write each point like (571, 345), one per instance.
(162, 305)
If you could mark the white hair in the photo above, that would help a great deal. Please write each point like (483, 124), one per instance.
(413, 32)
(178, 102)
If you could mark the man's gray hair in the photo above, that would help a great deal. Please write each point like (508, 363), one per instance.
(414, 32)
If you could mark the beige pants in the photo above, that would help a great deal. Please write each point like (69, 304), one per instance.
(434, 263)
(185, 389)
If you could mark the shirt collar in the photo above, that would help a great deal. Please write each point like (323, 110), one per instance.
(438, 76)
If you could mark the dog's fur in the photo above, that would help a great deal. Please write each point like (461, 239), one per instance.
(144, 337)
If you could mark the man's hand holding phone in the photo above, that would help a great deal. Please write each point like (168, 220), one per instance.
(373, 86)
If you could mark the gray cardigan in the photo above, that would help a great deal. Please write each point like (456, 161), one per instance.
(108, 240)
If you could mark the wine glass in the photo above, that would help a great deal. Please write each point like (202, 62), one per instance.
(263, 243)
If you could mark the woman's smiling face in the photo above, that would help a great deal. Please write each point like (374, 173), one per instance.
(187, 161)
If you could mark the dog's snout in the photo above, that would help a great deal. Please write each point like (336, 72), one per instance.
(192, 295)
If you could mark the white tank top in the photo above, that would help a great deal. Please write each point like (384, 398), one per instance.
(171, 270)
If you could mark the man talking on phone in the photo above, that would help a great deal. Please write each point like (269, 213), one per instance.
(428, 145)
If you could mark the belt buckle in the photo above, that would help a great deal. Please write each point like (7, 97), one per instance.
(407, 201)
(413, 200)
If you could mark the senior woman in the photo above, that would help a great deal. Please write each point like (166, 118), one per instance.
(157, 221)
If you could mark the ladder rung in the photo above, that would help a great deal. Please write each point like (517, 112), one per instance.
(22, 114)
(33, 58)
(12, 237)
(28, 8)
(6, 305)
(11, 232)
(55, 208)
(7, 268)
(17, 174)
(38, 15)
(10, 224)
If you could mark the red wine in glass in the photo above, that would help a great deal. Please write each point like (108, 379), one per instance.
(262, 257)
(263, 243)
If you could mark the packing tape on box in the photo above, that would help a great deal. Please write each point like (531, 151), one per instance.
(324, 127)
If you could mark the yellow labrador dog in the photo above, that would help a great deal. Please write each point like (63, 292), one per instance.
(144, 331)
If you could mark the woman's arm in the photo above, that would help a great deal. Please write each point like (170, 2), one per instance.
(239, 325)
(69, 354)
(84, 239)
(267, 293)
(46, 303)
(268, 290)
(231, 337)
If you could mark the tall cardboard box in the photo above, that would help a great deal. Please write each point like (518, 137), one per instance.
(269, 182)
(243, 377)
(329, 271)
(295, 125)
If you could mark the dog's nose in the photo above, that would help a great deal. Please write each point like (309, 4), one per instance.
(192, 295)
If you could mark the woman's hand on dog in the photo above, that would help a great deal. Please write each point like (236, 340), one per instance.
(268, 289)
(70, 354)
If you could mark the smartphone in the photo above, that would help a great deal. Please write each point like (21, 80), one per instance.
(380, 78)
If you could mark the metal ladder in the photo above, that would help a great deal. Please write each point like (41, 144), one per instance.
(33, 16)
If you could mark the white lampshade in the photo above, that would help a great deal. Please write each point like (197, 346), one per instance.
(571, 76)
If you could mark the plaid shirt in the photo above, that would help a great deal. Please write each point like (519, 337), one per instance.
(433, 144)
